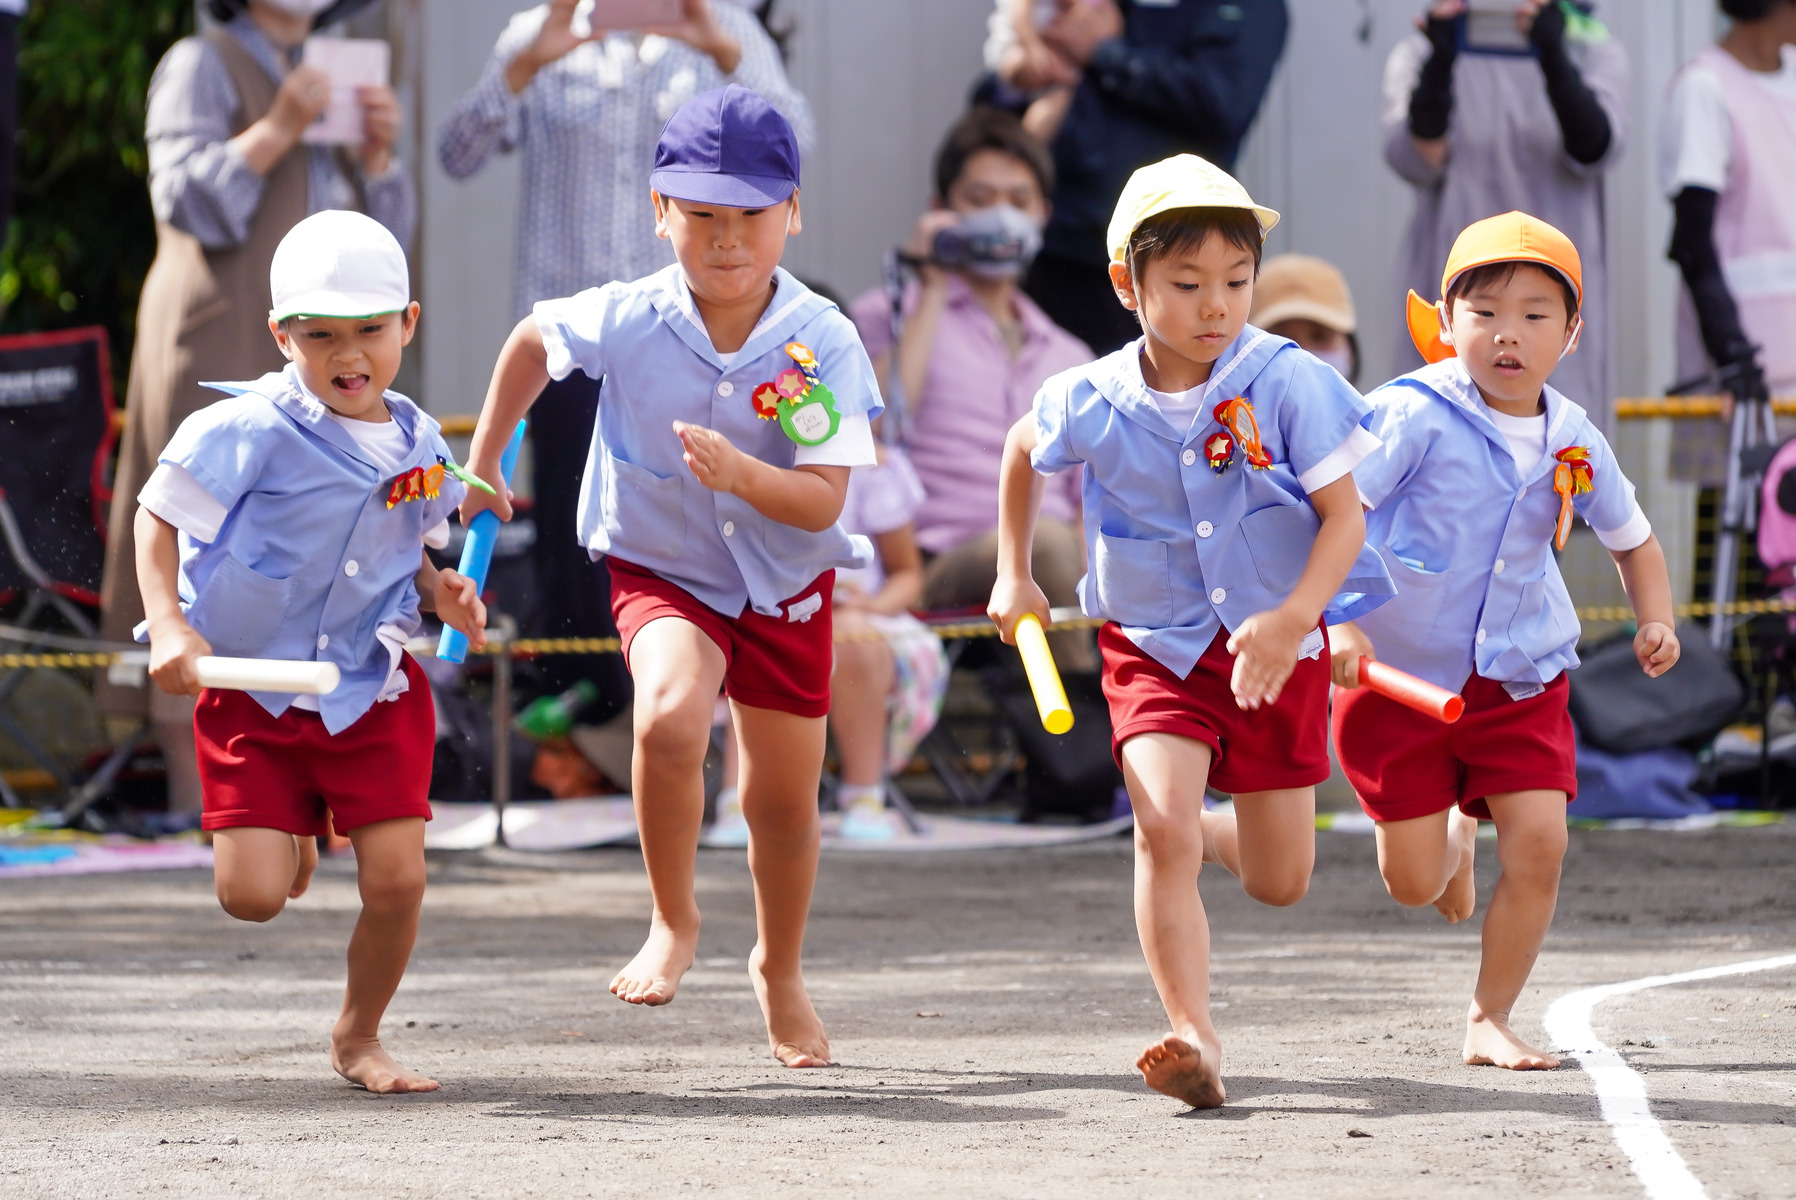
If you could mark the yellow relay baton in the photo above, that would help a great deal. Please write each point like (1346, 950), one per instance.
(1044, 676)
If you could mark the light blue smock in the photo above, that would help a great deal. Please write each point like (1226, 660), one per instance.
(1469, 540)
(1177, 551)
(647, 344)
(309, 561)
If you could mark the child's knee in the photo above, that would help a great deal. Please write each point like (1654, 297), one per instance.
(395, 895)
(672, 728)
(1410, 889)
(1535, 851)
(248, 902)
(1280, 888)
(1167, 835)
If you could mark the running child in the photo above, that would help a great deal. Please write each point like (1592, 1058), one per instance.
(289, 521)
(734, 403)
(1222, 520)
(1481, 468)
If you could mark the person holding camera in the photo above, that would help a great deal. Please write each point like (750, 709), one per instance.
(971, 352)
(1501, 105)
(1729, 157)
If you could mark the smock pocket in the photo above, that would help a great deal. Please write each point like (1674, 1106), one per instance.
(1544, 621)
(240, 610)
(1135, 581)
(644, 504)
(1414, 610)
(1279, 537)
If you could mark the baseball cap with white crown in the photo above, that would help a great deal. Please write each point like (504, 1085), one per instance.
(338, 264)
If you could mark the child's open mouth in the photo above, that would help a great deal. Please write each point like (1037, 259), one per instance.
(1508, 364)
(349, 385)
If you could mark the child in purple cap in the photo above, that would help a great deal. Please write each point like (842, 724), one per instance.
(734, 402)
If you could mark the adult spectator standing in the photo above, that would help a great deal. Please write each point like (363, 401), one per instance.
(1729, 163)
(585, 107)
(973, 352)
(1155, 78)
(228, 178)
(1481, 130)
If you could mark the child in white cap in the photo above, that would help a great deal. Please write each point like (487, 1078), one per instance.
(289, 522)
(1222, 521)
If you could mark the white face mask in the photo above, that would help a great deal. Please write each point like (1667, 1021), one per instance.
(1340, 358)
(301, 8)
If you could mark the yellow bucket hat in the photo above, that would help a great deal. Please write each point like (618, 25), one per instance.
(1182, 181)
(1511, 237)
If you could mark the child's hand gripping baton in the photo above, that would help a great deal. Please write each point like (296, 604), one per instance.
(477, 550)
(1409, 691)
(269, 675)
(1044, 677)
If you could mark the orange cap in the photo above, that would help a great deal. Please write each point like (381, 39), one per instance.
(1512, 237)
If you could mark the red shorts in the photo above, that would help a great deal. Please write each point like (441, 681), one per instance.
(1284, 745)
(782, 663)
(283, 772)
(1405, 764)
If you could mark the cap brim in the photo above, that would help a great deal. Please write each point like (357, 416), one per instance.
(732, 191)
(1300, 308)
(338, 304)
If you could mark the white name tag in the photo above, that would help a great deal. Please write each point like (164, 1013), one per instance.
(1312, 645)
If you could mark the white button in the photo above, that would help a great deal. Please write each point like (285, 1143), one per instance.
(1521, 493)
(1497, 569)
(324, 639)
(351, 567)
(729, 529)
(1205, 529)
(1218, 596)
(1481, 637)
(726, 388)
(1189, 457)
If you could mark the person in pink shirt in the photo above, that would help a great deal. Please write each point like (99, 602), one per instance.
(973, 351)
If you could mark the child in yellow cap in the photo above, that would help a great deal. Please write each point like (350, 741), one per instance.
(1480, 469)
(1221, 520)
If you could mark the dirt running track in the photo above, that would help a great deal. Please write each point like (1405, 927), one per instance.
(151, 1046)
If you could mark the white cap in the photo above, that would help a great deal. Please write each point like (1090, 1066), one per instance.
(338, 264)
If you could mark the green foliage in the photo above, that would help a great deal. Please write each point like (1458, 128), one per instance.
(82, 235)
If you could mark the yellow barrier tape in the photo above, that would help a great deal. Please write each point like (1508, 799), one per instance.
(530, 647)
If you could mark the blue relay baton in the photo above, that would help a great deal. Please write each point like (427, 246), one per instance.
(477, 550)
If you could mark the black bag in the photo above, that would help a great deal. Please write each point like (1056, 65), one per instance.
(1618, 709)
(1072, 775)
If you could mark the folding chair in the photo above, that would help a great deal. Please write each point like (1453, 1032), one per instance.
(56, 410)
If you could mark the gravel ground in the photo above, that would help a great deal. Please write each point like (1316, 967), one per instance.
(985, 1007)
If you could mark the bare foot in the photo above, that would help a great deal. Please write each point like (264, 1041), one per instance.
(794, 1030)
(1489, 1042)
(1461, 895)
(367, 1064)
(1181, 1070)
(654, 974)
(308, 862)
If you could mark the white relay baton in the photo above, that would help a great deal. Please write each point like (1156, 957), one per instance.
(269, 675)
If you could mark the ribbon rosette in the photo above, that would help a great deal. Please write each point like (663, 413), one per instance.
(1572, 476)
(767, 401)
(1232, 415)
(1219, 449)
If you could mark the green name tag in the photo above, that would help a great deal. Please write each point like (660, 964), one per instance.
(811, 419)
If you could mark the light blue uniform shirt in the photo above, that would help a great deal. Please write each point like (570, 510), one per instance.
(640, 501)
(1176, 550)
(1469, 540)
(309, 561)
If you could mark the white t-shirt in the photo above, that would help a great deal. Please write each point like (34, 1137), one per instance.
(1527, 438)
(1696, 139)
(1180, 407)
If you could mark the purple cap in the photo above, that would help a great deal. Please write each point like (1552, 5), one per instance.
(727, 146)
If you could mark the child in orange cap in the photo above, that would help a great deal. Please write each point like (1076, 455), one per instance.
(1480, 469)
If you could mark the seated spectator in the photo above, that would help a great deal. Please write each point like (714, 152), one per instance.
(973, 350)
(1306, 299)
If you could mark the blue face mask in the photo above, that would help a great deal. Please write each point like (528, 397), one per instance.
(994, 243)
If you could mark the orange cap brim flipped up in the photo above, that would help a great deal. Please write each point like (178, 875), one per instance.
(1425, 329)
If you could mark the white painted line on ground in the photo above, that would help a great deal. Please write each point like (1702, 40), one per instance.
(1620, 1089)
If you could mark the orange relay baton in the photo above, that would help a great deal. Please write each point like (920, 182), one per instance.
(1409, 691)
